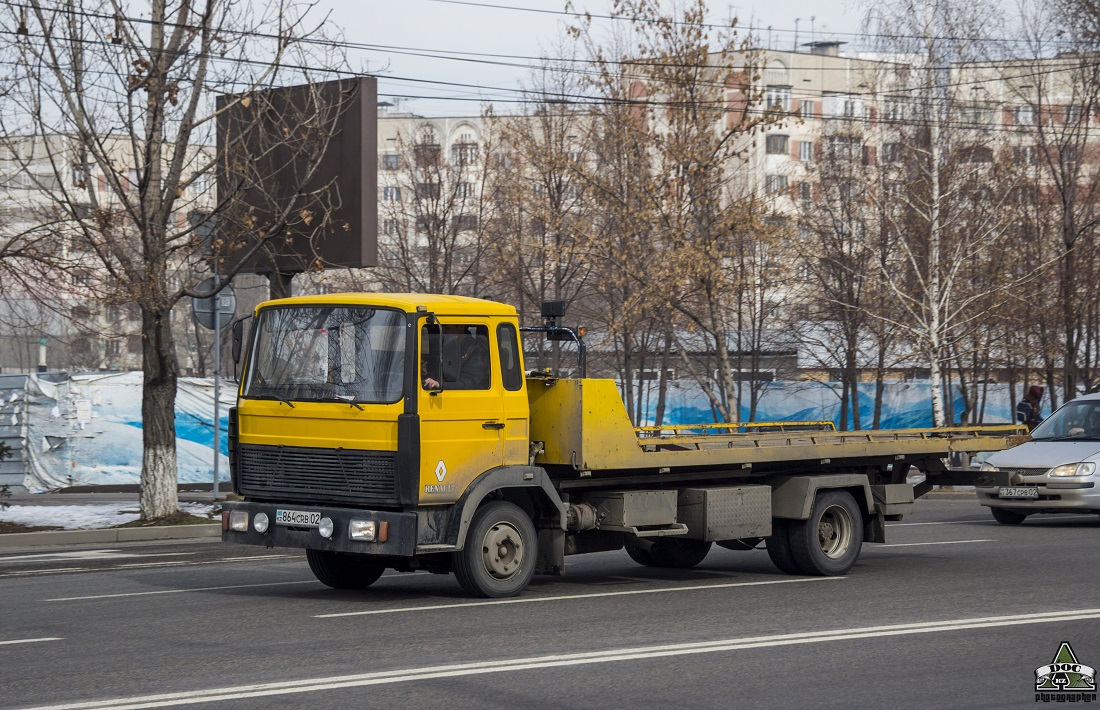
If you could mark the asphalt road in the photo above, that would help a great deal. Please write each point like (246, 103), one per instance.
(955, 611)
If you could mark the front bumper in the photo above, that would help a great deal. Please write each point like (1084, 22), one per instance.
(396, 538)
(1055, 496)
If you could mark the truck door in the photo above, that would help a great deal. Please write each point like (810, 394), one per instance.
(517, 437)
(462, 421)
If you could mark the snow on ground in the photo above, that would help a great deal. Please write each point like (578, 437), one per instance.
(87, 517)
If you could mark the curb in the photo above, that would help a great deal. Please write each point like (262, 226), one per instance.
(109, 535)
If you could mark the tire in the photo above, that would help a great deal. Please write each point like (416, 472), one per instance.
(779, 547)
(677, 553)
(498, 559)
(828, 543)
(1007, 517)
(341, 570)
(640, 556)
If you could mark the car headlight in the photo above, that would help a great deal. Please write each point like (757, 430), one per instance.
(988, 467)
(1073, 469)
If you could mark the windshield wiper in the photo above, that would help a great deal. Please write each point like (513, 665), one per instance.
(341, 398)
(272, 397)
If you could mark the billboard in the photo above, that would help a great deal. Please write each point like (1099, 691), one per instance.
(297, 177)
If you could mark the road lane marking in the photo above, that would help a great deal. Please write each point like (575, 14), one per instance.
(984, 520)
(259, 690)
(143, 565)
(89, 555)
(567, 597)
(175, 591)
(44, 638)
(940, 522)
(919, 544)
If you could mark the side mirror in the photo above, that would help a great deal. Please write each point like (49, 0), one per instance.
(432, 357)
(238, 339)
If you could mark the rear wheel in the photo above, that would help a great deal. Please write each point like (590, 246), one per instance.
(828, 543)
(341, 570)
(673, 552)
(779, 547)
(1007, 517)
(498, 559)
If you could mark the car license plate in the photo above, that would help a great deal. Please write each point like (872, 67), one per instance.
(298, 518)
(1018, 493)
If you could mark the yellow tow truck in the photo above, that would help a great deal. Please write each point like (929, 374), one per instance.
(401, 431)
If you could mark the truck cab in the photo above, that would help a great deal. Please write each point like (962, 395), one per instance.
(363, 420)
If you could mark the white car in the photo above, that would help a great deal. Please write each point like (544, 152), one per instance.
(1054, 472)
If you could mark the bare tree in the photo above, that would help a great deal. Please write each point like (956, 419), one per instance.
(117, 107)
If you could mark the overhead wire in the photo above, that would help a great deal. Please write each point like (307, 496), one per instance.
(581, 99)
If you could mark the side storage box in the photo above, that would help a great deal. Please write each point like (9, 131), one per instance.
(726, 513)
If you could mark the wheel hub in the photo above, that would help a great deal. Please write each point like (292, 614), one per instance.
(502, 550)
(834, 532)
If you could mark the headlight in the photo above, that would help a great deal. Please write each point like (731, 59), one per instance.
(260, 522)
(1073, 469)
(364, 530)
(325, 527)
(238, 520)
(988, 467)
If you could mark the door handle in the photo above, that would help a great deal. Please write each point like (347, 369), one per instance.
(493, 425)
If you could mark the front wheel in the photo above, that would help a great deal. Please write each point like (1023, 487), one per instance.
(498, 559)
(1007, 517)
(342, 570)
(828, 543)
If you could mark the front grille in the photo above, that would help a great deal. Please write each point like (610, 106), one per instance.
(297, 473)
(1027, 471)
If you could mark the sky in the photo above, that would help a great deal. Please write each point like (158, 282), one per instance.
(397, 29)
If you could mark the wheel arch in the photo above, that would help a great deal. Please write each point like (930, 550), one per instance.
(528, 487)
(793, 496)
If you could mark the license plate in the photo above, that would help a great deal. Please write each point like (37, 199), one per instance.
(1018, 493)
(298, 518)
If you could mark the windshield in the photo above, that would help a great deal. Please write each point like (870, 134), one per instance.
(1079, 419)
(328, 353)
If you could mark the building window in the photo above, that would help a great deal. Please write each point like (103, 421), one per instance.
(805, 192)
(465, 222)
(1024, 154)
(808, 109)
(893, 110)
(112, 348)
(776, 144)
(977, 116)
(775, 183)
(891, 152)
(427, 190)
(1073, 114)
(806, 151)
(1025, 115)
(426, 154)
(391, 161)
(391, 194)
(465, 190)
(977, 154)
(778, 98)
(389, 227)
(463, 153)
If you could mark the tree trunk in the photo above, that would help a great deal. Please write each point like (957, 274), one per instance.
(159, 489)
